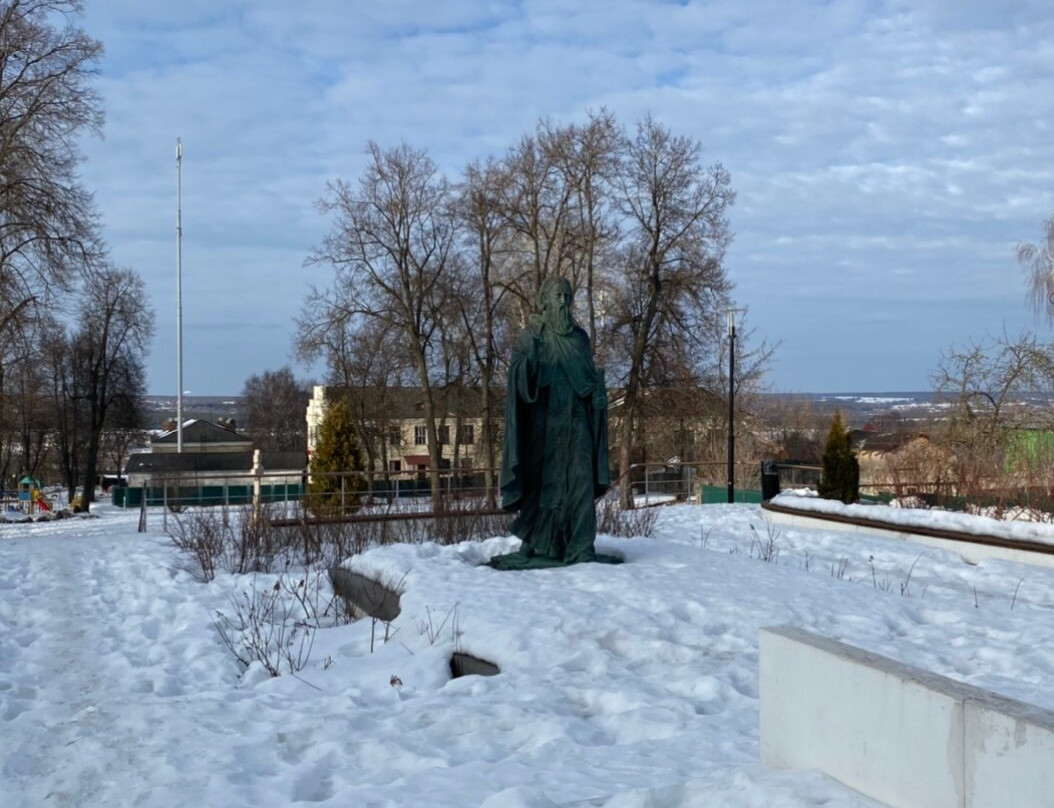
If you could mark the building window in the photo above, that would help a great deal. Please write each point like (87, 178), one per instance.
(395, 436)
(395, 465)
(467, 434)
(420, 436)
(444, 435)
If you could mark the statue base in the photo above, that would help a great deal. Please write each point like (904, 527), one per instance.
(519, 561)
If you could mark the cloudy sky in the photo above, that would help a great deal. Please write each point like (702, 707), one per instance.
(888, 155)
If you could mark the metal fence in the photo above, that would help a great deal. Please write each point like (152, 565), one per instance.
(394, 495)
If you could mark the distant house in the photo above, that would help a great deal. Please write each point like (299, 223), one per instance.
(900, 463)
(200, 437)
(392, 425)
(216, 466)
(393, 428)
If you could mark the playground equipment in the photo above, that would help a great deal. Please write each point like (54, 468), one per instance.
(39, 499)
(31, 497)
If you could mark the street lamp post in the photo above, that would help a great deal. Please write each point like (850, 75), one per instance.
(731, 404)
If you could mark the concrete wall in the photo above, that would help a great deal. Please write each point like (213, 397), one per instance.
(898, 734)
(970, 552)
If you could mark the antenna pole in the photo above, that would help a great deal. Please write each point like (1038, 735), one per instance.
(179, 294)
(731, 405)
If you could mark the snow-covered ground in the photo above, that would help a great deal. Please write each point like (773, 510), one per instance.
(1025, 528)
(624, 687)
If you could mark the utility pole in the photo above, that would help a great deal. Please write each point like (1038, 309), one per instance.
(179, 294)
(731, 404)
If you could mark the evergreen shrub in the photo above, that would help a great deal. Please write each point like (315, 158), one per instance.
(841, 470)
(337, 450)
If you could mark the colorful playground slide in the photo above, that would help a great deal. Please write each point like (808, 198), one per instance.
(41, 500)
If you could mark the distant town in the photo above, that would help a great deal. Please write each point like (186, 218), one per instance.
(856, 407)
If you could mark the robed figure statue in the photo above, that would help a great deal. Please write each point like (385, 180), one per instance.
(554, 461)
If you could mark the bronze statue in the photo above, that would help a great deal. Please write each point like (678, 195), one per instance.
(555, 450)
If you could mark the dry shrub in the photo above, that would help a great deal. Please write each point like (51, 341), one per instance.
(614, 520)
(237, 540)
(276, 625)
(234, 539)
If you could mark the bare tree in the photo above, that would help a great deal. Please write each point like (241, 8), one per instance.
(795, 427)
(1039, 261)
(275, 403)
(638, 222)
(114, 325)
(482, 295)
(587, 157)
(47, 222)
(24, 415)
(750, 366)
(672, 280)
(391, 247)
(989, 382)
(536, 205)
(126, 428)
(67, 406)
(366, 363)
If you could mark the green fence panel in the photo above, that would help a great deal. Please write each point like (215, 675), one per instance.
(882, 498)
(716, 494)
(205, 495)
(280, 493)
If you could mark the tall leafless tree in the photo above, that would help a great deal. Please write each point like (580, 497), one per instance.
(537, 207)
(48, 226)
(274, 410)
(483, 293)
(672, 280)
(67, 406)
(25, 425)
(113, 328)
(587, 158)
(391, 246)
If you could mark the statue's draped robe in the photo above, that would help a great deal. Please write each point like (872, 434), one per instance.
(555, 449)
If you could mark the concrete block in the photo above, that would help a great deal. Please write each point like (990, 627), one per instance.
(892, 732)
(365, 596)
(462, 664)
(1008, 754)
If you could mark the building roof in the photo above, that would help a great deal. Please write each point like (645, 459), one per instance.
(881, 442)
(198, 431)
(398, 403)
(213, 461)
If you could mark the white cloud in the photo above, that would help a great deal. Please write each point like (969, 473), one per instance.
(888, 150)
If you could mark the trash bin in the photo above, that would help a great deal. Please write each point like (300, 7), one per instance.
(770, 480)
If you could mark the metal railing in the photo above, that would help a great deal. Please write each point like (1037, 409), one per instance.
(355, 496)
(654, 483)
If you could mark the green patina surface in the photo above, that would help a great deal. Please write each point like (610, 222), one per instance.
(555, 449)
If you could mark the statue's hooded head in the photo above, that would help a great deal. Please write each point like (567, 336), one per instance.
(555, 302)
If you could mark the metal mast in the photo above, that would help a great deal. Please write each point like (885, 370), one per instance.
(731, 313)
(179, 294)
(731, 405)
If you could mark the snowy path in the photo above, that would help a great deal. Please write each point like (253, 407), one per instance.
(89, 656)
